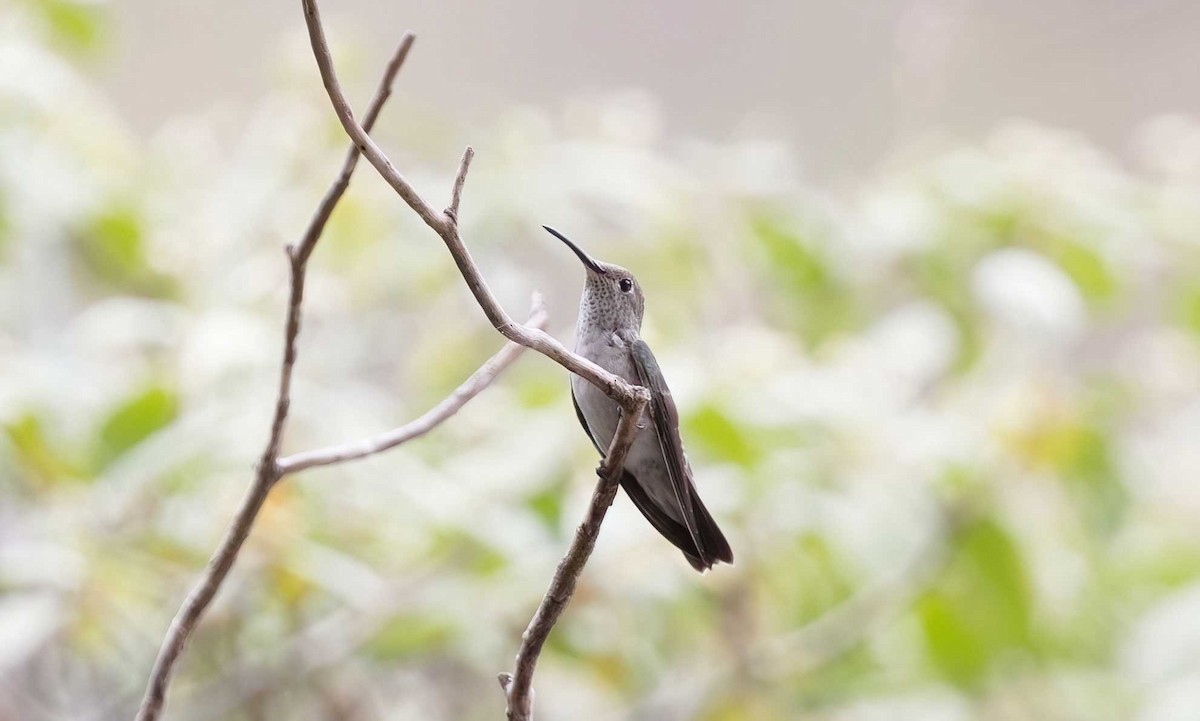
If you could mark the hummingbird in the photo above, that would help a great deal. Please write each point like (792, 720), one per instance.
(656, 475)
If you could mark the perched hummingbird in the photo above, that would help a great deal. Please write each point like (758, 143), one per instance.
(656, 475)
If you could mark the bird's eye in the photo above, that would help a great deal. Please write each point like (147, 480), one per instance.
(626, 285)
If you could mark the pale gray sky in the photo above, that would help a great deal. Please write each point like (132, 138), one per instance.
(845, 82)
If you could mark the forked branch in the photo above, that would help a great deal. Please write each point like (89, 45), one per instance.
(470, 388)
(446, 226)
(518, 687)
(631, 398)
(270, 468)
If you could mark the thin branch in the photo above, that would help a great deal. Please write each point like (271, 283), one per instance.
(518, 687)
(298, 257)
(353, 628)
(267, 472)
(470, 388)
(459, 181)
(632, 399)
(335, 192)
(628, 396)
(197, 601)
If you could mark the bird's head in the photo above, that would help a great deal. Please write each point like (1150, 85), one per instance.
(612, 297)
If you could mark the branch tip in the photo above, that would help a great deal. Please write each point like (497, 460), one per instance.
(460, 179)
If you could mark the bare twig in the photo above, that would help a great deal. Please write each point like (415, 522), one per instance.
(335, 192)
(269, 469)
(197, 601)
(518, 687)
(631, 398)
(298, 256)
(459, 180)
(446, 226)
(470, 388)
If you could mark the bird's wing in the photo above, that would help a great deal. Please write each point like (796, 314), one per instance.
(666, 428)
(672, 530)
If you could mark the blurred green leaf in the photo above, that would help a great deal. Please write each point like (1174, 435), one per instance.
(796, 261)
(1088, 269)
(443, 361)
(537, 390)
(1094, 480)
(677, 269)
(457, 548)
(408, 635)
(1157, 570)
(957, 650)
(743, 706)
(852, 674)
(1187, 307)
(980, 608)
(134, 420)
(287, 586)
(75, 25)
(803, 579)
(1080, 455)
(720, 437)
(113, 249)
(44, 463)
(169, 548)
(351, 232)
(613, 670)
(118, 235)
(547, 505)
(818, 304)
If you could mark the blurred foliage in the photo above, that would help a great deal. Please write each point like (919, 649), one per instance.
(132, 422)
(948, 420)
(72, 27)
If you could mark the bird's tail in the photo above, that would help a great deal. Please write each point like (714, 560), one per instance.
(712, 549)
(713, 546)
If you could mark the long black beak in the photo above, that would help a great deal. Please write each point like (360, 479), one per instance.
(587, 259)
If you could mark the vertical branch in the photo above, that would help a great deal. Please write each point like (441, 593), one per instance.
(267, 472)
(518, 687)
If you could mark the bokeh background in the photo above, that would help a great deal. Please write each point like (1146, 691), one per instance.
(924, 277)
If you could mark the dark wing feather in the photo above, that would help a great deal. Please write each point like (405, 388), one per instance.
(668, 527)
(682, 537)
(666, 426)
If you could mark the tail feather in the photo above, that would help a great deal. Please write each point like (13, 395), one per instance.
(713, 546)
(716, 547)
